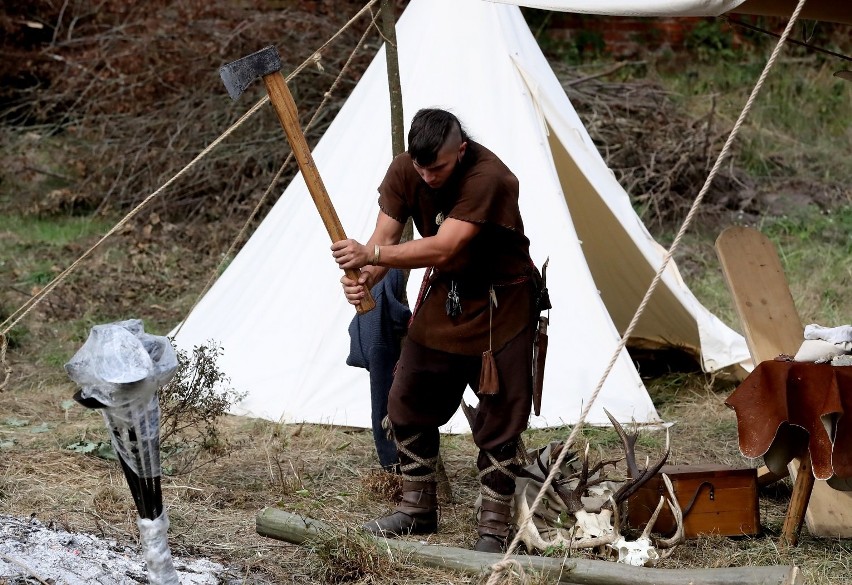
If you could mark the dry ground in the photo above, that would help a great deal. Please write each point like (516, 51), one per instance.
(331, 474)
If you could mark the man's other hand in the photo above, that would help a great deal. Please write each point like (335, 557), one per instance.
(349, 254)
(356, 290)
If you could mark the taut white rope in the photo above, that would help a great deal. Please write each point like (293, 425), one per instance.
(25, 309)
(501, 566)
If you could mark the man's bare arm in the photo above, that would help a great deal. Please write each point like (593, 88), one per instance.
(437, 250)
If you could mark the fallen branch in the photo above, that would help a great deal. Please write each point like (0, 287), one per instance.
(295, 529)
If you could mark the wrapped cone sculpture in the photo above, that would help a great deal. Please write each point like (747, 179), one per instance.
(119, 370)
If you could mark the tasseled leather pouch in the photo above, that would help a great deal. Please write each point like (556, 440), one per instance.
(489, 382)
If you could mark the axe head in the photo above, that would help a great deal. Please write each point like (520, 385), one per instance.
(239, 74)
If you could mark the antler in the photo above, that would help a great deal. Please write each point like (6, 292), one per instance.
(637, 477)
(678, 537)
(573, 497)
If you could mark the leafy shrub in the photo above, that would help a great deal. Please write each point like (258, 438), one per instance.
(710, 40)
(192, 403)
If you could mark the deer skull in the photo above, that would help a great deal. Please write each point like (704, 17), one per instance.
(580, 509)
(644, 550)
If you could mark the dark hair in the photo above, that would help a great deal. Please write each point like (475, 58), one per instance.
(430, 130)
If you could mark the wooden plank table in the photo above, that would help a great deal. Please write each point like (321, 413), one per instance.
(772, 326)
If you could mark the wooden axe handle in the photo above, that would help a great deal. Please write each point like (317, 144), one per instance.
(285, 107)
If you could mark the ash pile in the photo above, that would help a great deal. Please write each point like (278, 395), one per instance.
(31, 552)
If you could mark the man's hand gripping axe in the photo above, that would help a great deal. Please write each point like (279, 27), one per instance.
(266, 64)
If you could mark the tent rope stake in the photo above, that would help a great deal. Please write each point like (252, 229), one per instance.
(27, 307)
(503, 566)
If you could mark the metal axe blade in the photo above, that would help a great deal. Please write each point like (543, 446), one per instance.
(239, 74)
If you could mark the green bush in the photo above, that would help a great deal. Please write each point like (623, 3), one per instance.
(192, 403)
(710, 40)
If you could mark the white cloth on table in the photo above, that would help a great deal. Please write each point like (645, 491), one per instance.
(836, 335)
(821, 344)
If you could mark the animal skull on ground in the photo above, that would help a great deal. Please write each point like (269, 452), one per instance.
(647, 549)
(581, 508)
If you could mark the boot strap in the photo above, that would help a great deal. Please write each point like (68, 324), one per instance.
(494, 519)
(417, 462)
(418, 497)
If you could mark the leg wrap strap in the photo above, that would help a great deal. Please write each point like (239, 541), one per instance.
(411, 461)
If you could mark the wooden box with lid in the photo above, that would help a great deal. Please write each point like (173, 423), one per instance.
(715, 499)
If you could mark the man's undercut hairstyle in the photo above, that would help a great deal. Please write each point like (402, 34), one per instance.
(430, 130)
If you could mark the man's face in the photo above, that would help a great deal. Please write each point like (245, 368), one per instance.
(436, 174)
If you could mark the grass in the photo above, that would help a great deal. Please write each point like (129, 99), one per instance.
(30, 230)
(330, 474)
(798, 126)
(815, 252)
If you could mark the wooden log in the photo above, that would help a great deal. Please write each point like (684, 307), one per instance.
(281, 525)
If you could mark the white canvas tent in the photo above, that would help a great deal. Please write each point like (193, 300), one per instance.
(828, 10)
(278, 310)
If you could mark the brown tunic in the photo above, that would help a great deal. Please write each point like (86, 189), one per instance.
(481, 190)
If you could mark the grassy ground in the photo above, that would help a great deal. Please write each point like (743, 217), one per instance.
(330, 474)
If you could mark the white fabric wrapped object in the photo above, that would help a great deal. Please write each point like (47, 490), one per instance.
(816, 350)
(837, 335)
(155, 549)
(121, 365)
(821, 344)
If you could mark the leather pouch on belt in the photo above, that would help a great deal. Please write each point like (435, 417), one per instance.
(488, 380)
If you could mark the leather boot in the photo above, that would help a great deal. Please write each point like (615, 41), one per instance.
(495, 521)
(417, 513)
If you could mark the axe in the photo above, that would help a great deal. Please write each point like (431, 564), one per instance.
(266, 63)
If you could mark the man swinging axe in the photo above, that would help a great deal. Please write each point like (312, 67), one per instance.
(266, 64)
(473, 325)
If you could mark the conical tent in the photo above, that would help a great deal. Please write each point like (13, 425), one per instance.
(278, 310)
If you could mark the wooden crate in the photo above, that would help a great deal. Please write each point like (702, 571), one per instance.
(726, 501)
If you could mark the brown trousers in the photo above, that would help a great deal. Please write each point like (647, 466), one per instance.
(429, 384)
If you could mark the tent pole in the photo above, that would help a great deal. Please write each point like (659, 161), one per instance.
(392, 57)
(398, 147)
(395, 87)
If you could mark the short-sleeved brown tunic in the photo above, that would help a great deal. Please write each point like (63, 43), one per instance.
(481, 190)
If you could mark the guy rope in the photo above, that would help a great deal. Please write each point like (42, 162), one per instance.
(16, 317)
(504, 567)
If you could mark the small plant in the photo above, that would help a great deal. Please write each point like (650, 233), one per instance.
(347, 557)
(15, 336)
(710, 40)
(191, 404)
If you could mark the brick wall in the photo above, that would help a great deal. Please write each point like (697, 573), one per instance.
(620, 36)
